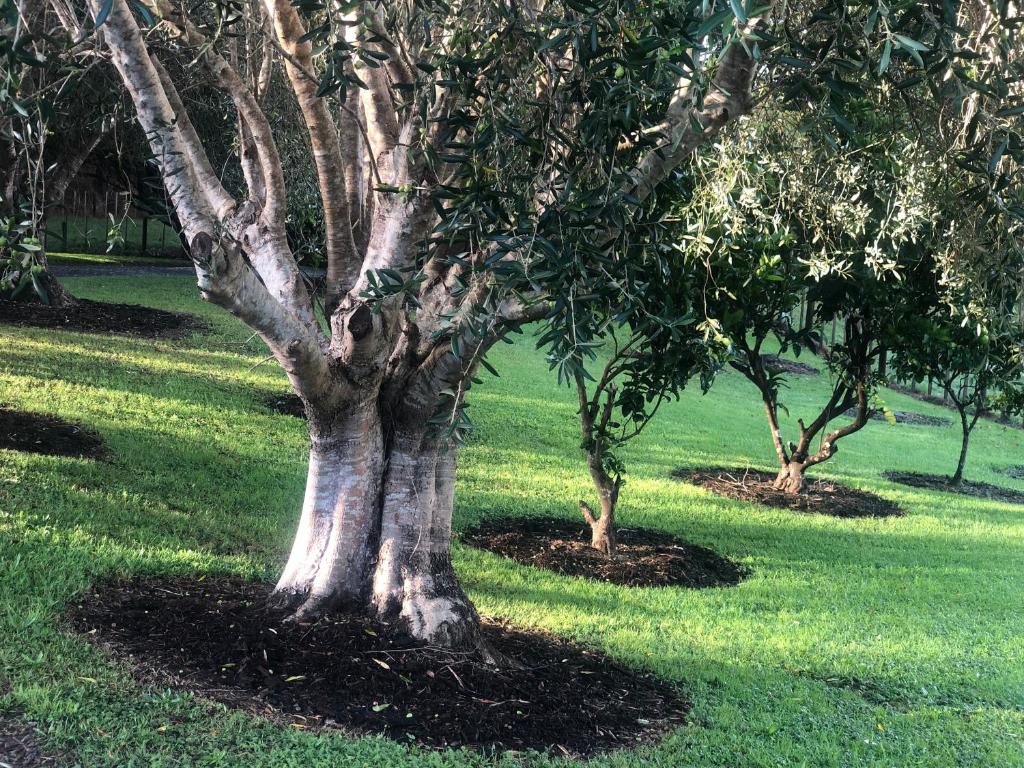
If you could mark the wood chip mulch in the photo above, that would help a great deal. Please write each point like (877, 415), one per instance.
(39, 433)
(821, 496)
(219, 639)
(643, 558)
(978, 490)
(100, 317)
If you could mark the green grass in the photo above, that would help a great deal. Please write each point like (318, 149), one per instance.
(88, 234)
(895, 642)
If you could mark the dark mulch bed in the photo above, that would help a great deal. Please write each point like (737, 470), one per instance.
(218, 638)
(966, 488)
(39, 433)
(100, 317)
(782, 365)
(824, 497)
(19, 745)
(924, 397)
(287, 404)
(643, 558)
(906, 417)
(1015, 471)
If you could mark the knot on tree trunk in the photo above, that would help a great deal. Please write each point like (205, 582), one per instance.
(201, 250)
(360, 322)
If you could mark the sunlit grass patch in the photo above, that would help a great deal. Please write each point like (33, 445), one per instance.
(874, 642)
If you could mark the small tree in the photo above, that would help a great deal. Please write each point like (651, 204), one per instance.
(778, 216)
(54, 118)
(644, 343)
(970, 362)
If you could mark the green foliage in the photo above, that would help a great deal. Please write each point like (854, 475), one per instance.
(548, 111)
(20, 269)
(974, 365)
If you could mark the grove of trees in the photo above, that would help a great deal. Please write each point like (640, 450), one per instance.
(657, 186)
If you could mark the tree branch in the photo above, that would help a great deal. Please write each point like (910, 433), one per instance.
(728, 98)
(342, 257)
(218, 198)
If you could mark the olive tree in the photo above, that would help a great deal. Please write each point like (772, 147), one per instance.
(970, 332)
(469, 157)
(641, 335)
(53, 117)
(970, 363)
(837, 223)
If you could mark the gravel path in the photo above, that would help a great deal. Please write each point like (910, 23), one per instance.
(119, 270)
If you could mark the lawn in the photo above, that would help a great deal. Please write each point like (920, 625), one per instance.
(888, 642)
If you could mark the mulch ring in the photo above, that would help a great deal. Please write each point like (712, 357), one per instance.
(823, 497)
(966, 488)
(19, 745)
(218, 639)
(906, 417)
(286, 404)
(39, 433)
(100, 317)
(998, 418)
(782, 365)
(643, 558)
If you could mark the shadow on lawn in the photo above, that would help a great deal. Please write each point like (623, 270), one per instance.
(244, 503)
(108, 368)
(604, 613)
(690, 658)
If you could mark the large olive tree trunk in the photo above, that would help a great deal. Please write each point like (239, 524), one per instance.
(375, 530)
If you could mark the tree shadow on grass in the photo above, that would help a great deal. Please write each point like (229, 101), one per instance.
(629, 624)
(640, 622)
(191, 493)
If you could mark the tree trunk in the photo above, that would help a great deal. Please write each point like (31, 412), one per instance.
(375, 531)
(958, 476)
(331, 557)
(790, 478)
(56, 294)
(602, 528)
(415, 584)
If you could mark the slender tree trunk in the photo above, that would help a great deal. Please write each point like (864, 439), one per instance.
(56, 293)
(602, 527)
(958, 476)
